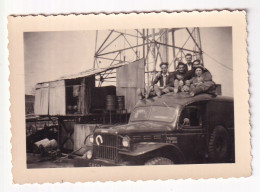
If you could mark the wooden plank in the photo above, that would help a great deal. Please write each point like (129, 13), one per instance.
(81, 131)
(41, 104)
(66, 130)
(57, 103)
(131, 75)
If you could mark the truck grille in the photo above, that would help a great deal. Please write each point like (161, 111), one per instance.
(107, 150)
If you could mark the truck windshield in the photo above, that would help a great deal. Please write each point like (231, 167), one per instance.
(153, 113)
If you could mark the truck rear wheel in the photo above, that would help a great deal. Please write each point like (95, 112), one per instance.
(218, 145)
(159, 161)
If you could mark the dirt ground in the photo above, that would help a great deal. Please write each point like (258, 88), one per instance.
(36, 161)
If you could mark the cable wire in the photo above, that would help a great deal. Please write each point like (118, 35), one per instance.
(223, 65)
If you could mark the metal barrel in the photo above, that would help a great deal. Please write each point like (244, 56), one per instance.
(46, 143)
(43, 142)
(39, 145)
(110, 102)
(120, 101)
(52, 144)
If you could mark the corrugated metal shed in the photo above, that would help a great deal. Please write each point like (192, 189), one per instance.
(50, 97)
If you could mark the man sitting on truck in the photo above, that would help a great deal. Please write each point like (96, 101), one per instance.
(186, 87)
(201, 82)
(165, 79)
(189, 64)
(181, 75)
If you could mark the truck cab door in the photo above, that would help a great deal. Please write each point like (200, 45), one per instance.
(192, 131)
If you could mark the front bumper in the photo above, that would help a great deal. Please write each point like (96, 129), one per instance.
(106, 163)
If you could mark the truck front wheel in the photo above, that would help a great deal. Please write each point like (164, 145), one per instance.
(218, 145)
(159, 161)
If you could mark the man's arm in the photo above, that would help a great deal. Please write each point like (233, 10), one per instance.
(156, 79)
(170, 82)
(189, 74)
(193, 80)
(207, 76)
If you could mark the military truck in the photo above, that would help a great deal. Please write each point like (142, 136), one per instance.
(171, 129)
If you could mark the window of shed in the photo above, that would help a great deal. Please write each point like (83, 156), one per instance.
(72, 96)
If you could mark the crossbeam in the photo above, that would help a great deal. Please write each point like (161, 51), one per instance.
(120, 50)
(193, 39)
(177, 47)
(104, 41)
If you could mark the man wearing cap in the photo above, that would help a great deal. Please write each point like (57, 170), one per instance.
(201, 82)
(197, 62)
(165, 79)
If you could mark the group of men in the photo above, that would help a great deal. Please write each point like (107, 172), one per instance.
(190, 77)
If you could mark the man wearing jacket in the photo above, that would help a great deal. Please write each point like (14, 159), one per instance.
(165, 80)
(180, 76)
(189, 64)
(202, 81)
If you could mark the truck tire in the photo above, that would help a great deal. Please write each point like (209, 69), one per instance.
(218, 145)
(159, 161)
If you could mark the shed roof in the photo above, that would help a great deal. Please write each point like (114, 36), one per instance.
(92, 71)
(88, 72)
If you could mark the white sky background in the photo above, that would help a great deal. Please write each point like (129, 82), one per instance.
(50, 55)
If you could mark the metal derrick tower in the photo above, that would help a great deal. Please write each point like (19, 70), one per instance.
(154, 46)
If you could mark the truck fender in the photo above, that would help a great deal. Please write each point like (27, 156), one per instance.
(146, 147)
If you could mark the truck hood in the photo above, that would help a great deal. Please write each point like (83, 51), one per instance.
(137, 127)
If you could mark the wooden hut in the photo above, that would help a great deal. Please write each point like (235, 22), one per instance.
(76, 100)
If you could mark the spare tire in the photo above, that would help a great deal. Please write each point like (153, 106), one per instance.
(218, 145)
(159, 161)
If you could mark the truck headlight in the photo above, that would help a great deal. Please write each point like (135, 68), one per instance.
(126, 141)
(91, 139)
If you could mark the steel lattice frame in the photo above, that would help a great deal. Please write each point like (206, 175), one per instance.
(152, 45)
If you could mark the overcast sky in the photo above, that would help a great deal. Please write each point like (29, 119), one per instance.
(50, 55)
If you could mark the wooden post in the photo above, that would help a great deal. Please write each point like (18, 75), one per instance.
(173, 49)
(201, 54)
(164, 49)
(147, 59)
(94, 63)
(153, 44)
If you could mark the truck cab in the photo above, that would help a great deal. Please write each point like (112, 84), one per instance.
(172, 129)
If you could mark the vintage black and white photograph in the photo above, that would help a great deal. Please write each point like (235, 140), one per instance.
(124, 97)
(129, 97)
